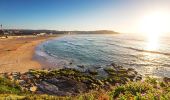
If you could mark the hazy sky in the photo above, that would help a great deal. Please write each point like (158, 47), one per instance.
(118, 15)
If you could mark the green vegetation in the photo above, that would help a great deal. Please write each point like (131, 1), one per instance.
(110, 88)
(149, 89)
(7, 86)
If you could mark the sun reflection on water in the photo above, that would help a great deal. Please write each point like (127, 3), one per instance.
(152, 45)
(152, 42)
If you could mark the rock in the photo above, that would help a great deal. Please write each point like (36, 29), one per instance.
(138, 77)
(70, 63)
(33, 88)
(10, 77)
(28, 81)
(132, 72)
(53, 81)
(86, 81)
(166, 79)
(92, 71)
(113, 64)
(121, 71)
(24, 89)
(116, 66)
(96, 66)
(68, 85)
(16, 75)
(80, 66)
(63, 93)
(30, 70)
(130, 69)
(37, 76)
(21, 82)
(23, 77)
(101, 74)
(39, 92)
(6, 74)
(69, 81)
(30, 76)
(131, 75)
(47, 88)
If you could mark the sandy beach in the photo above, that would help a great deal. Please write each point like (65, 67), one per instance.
(16, 53)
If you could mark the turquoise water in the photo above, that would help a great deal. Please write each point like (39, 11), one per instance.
(101, 50)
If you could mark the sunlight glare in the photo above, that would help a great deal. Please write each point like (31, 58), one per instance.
(153, 26)
(155, 23)
(152, 43)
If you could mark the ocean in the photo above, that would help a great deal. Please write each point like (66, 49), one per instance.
(148, 56)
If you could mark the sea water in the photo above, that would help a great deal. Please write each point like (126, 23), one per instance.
(130, 51)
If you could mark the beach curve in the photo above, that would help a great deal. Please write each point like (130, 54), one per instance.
(17, 53)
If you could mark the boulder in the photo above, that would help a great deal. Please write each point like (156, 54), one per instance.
(92, 71)
(166, 79)
(69, 85)
(115, 66)
(80, 66)
(47, 88)
(33, 88)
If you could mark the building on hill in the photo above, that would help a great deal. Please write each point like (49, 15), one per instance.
(6, 33)
(41, 34)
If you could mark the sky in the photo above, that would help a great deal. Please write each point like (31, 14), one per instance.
(117, 15)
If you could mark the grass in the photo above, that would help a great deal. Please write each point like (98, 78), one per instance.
(7, 86)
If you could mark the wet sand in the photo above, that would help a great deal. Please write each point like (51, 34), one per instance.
(16, 53)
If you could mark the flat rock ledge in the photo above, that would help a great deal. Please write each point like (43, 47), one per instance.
(69, 81)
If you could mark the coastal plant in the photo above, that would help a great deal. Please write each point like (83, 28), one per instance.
(148, 89)
(151, 80)
(131, 89)
(8, 86)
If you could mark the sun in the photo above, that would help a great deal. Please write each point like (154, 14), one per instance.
(154, 25)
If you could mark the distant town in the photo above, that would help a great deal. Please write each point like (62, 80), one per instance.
(20, 32)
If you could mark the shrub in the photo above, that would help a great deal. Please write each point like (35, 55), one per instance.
(8, 86)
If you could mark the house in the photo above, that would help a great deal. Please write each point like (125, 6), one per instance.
(41, 34)
(6, 33)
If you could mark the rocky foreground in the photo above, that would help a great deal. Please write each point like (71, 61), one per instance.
(69, 82)
(117, 83)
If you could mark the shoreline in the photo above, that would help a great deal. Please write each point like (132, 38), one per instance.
(17, 53)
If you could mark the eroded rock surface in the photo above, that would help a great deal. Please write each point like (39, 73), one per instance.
(67, 81)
